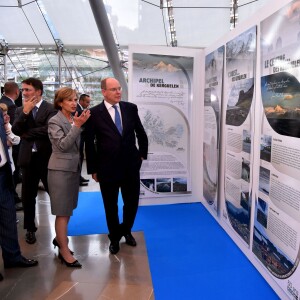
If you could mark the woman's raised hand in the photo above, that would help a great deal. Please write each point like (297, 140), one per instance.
(79, 121)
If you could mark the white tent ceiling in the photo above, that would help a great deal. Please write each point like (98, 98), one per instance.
(134, 22)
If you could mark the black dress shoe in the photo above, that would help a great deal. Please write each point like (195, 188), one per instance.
(30, 237)
(56, 244)
(114, 247)
(74, 264)
(82, 179)
(1, 277)
(18, 206)
(130, 240)
(21, 263)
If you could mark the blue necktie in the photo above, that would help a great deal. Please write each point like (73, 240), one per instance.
(34, 111)
(118, 119)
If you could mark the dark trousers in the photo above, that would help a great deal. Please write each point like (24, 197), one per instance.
(17, 171)
(15, 154)
(8, 227)
(130, 190)
(31, 175)
(81, 150)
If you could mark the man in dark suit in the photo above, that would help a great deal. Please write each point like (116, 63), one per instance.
(11, 93)
(84, 103)
(115, 160)
(31, 124)
(11, 253)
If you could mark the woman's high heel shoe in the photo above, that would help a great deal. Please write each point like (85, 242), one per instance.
(55, 244)
(74, 264)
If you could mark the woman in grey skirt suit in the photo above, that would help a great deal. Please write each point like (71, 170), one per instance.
(64, 167)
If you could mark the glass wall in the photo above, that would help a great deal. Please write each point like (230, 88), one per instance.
(81, 69)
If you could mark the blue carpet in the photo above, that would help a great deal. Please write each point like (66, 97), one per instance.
(190, 255)
(89, 216)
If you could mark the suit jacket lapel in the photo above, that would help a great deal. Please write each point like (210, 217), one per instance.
(67, 126)
(124, 115)
(40, 110)
(64, 120)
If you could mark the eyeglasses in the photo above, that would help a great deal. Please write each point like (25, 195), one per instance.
(119, 89)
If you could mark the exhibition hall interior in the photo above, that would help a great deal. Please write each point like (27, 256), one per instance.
(218, 215)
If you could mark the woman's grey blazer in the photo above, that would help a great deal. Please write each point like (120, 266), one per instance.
(65, 140)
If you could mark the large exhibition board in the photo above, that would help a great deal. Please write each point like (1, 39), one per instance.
(213, 98)
(276, 235)
(238, 131)
(161, 86)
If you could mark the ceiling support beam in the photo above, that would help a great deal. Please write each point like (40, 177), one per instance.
(109, 43)
(3, 57)
(234, 5)
(59, 51)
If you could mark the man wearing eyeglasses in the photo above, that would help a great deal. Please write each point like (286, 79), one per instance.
(114, 160)
(31, 124)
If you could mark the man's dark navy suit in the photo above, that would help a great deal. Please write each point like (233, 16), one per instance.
(34, 164)
(8, 228)
(117, 160)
